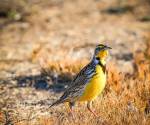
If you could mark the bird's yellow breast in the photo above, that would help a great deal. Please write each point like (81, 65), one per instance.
(95, 86)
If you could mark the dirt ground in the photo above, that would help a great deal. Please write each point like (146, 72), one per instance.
(61, 34)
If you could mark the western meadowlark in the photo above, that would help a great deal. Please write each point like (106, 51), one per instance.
(89, 82)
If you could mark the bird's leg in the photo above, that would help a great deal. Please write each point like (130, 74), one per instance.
(71, 104)
(89, 108)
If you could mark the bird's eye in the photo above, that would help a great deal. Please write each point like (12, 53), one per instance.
(98, 49)
(97, 58)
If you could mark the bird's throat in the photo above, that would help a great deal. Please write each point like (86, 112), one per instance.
(101, 63)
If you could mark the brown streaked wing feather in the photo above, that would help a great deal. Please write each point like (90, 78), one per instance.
(82, 76)
(76, 87)
(77, 84)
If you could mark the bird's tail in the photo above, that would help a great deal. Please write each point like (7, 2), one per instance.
(56, 103)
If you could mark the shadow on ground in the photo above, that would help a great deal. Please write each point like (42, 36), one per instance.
(44, 81)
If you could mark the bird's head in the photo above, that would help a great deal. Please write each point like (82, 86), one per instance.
(101, 51)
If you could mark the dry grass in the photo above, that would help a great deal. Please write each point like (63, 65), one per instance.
(126, 99)
(60, 33)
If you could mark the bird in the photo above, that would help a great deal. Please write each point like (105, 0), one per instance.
(89, 83)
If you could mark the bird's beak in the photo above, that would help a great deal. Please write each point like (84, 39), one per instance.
(107, 47)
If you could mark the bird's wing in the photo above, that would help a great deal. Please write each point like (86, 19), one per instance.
(78, 84)
(84, 75)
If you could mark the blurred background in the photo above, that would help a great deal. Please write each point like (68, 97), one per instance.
(44, 43)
